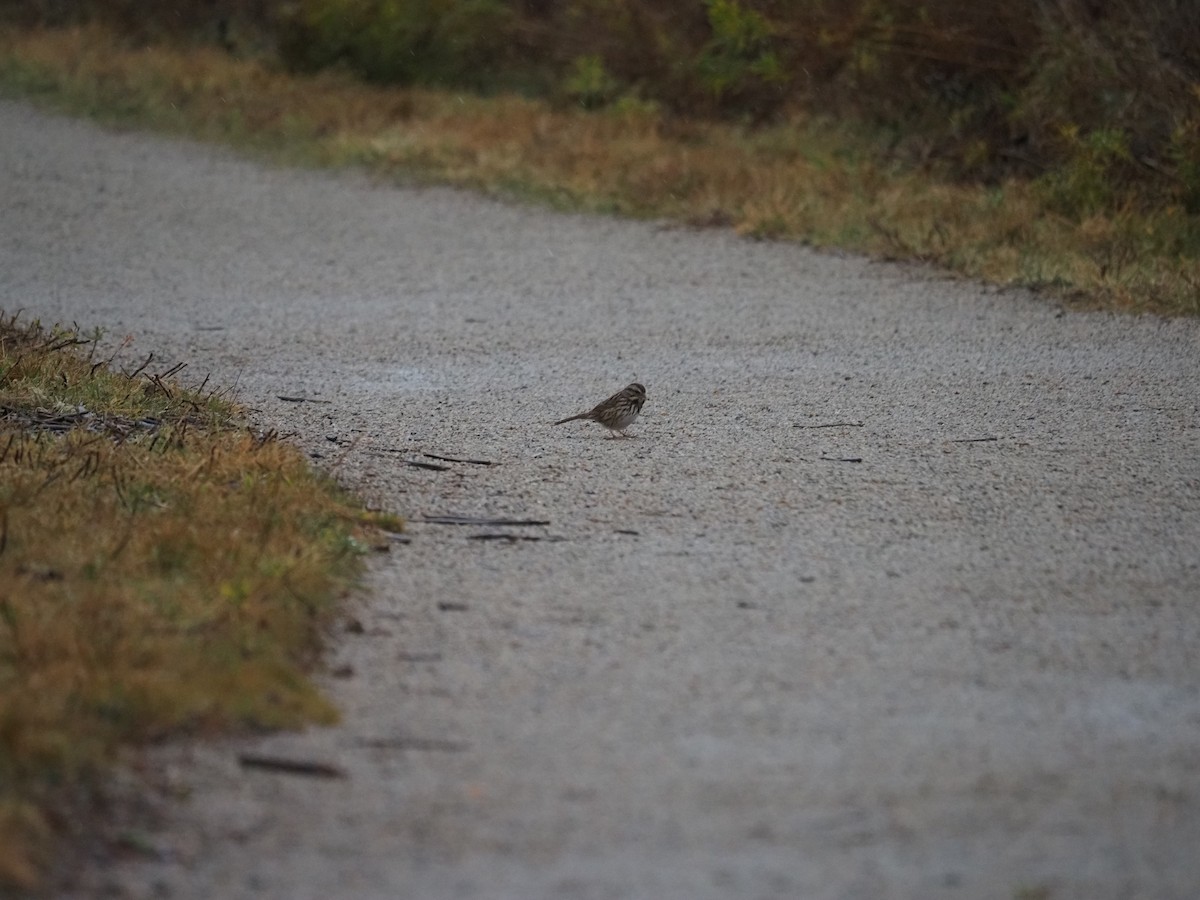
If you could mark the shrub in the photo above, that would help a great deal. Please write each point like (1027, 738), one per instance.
(739, 59)
(450, 42)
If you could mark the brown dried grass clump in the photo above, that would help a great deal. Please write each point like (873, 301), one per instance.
(162, 571)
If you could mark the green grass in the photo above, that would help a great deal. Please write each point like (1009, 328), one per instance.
(807, 179)
(163, 571)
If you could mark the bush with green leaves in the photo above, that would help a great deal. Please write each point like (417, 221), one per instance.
(449, 42)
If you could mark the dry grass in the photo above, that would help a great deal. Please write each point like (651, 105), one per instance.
(162, 571)
(809, 180)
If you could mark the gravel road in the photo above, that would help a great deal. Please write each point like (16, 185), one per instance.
(895, 592)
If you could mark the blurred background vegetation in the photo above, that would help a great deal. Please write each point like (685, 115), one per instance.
(1098, 101)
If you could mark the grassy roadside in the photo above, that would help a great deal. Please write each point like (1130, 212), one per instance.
(809, 180)
(162, 572)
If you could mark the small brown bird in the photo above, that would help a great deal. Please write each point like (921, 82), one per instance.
(616, 413)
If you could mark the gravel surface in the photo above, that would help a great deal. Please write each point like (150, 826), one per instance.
(893, 593)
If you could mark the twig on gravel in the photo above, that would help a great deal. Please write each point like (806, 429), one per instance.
(512, 538)
(300, 399)
(433, 467)
(290, 766)
(417, 464)
(473, 462)
(451, 519)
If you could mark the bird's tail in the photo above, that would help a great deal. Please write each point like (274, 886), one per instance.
(572, 418)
